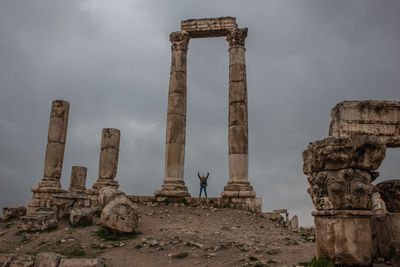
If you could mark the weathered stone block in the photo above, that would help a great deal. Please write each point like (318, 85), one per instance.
(208, 27)
(238, 114)
(238, 139)
(177, 82)
(82, 263)
(10, 212)
(179, 61)
(237, 73)
(110, 138)
(237, 55)
(54, 159)
(58, 121)
(22, 261)
(38, 222)
(344, 236)
(174, 156)
(331, 153)
(108, 164)
(176, 129)
(394, 226)
(381, 235)
(108, 194)
(5, 259)
(81, 216)
(237, 92)
(341, 189)
(78, 179)
(390, 193)
(120, 215)
(372, 117)
(177, 104)
(48, 259)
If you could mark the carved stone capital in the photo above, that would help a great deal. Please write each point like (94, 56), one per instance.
(346, 189)
(236, 37)
(179, 40)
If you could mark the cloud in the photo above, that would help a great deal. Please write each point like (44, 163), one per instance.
(111, 61)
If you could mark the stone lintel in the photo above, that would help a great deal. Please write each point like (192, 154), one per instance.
(208, 27)
(343, 213)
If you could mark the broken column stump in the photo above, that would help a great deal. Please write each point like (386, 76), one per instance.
(340, 172)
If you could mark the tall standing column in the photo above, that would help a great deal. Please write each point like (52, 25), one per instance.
(238, 185)
(174, 185)
(108, 162)
(57, 135)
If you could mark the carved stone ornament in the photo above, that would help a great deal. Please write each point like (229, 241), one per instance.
(345, 189)
(236, 37)
(179, 40)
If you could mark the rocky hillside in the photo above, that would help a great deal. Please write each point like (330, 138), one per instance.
(174, 236)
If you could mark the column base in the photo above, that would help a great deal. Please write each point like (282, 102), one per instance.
(238, 189)
(42, 198)
(105, 182)
(172, 188)
(344, 236)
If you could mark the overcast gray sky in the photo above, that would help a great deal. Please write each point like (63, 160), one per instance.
(111, 60)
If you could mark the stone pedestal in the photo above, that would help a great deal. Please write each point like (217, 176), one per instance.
(381, 235)
(344, 236)
(238, 184)
(174, 185)
(108, 163)
(57, 134)
(78, 180)
(340, 172)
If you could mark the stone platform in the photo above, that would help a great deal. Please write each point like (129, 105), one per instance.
(249, 204)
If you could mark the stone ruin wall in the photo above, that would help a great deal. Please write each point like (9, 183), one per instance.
(379, 118)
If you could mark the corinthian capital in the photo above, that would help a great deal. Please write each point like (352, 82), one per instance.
(179, 40)
(236, 36)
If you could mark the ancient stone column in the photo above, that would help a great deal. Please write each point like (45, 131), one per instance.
(53, 163)
(78, 180)
(174, 185)
(340, 172)
(238, 185)
(108, 163)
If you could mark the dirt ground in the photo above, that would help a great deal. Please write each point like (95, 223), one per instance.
(174, 236)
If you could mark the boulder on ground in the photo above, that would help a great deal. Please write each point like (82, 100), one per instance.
(120, 215)
(82, 263)
(364, 152)
(48, 259)
(38, 221)
(108, 194)
(22, 261)
(5, 259)
(13, 212)
(81, 216)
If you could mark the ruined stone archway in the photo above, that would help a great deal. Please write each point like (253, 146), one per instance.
(238, 184)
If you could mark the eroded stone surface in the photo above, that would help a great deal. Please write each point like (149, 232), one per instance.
(108, 194)
(10, 212)
(78, 179)
(208, 27)
(372, 117)
(22, 261)
(81, 216)
(82, 263)
(120, 215)
(341, 189)
(390, 193)
(331, 153)
(38, 221)
(344, 236)
(48, 259)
